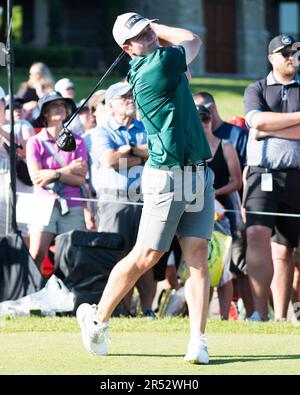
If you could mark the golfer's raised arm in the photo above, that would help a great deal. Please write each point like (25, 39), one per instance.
(178, 36)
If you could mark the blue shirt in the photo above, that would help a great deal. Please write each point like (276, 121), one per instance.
(112, 136)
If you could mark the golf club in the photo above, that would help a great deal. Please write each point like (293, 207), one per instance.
(65, 139)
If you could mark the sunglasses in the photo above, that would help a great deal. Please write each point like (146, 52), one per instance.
(287, 53)
(205, 118)
(18, 107)
(15, 107)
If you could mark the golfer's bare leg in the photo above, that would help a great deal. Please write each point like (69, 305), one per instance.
(123, 277)
(195, 252)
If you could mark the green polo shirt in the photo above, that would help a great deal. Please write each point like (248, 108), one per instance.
(166, 106)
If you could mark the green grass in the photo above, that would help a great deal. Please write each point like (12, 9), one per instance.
(139, 325)
(53, 346)
(227, 92)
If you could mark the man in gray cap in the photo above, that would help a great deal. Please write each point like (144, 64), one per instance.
(272, 110)
(177, 185)
(117, 146)
(118, 153)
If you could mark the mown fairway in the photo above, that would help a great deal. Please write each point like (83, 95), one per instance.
(53, 346)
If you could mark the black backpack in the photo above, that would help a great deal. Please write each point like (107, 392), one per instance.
(19, 274)
(84, 260)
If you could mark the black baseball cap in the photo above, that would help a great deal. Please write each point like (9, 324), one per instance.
(16, 101)
(279, 42)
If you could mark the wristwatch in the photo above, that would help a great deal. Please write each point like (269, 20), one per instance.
(132, 145)
(57, 176)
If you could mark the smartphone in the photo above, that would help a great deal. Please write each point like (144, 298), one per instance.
(64, 208)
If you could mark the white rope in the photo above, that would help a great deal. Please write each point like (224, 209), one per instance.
(141, 204)
(265, 213)
(223, 210)
(106, 201)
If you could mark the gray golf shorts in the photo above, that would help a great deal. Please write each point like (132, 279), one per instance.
(59, 224)
(177, 202)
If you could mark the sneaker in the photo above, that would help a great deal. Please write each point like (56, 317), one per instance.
(150, 314)
(197, 350)
(54, 298)
(94, 333)
(255, 317)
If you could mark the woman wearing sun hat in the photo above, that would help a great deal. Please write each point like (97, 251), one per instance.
(56, 171)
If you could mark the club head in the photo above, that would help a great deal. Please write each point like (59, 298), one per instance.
(65, 140)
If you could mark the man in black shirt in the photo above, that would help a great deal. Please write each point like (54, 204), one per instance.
(272, 110)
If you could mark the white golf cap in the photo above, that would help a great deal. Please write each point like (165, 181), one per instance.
(129, 25)
(62, 84)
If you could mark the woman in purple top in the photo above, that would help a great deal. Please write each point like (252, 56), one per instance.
(56, 171)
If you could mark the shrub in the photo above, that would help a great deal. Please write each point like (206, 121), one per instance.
(65, 57)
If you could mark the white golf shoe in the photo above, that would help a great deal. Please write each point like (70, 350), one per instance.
(197, 350)
(94, 333)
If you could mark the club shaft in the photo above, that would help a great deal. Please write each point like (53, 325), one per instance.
(96, 87)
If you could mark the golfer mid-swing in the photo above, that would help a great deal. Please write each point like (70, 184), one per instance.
(177, 186)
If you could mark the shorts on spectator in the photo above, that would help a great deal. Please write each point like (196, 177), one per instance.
(225, 277)
(238, 250)
(120, 218)
(296, 253)
(59, 224)
(285, 198)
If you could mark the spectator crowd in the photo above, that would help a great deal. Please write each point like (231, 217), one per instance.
(255, 160)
